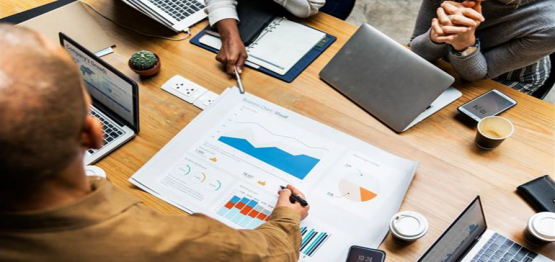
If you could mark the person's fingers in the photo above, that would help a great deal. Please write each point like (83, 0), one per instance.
(436, 28)
(448, 38)
(442, 17)
(296, 191)
(462, 20)
(284, 196)
(478, 6)
(473, 14)
(450, 7)
(241, 62)
(230, 63)
(219, 57)
(469, 4)
(454, 29)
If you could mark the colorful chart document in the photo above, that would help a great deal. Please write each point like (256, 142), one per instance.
(229, 162)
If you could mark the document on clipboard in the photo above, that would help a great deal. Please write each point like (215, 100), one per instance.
(279, 46)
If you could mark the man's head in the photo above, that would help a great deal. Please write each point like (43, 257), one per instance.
(44, 125)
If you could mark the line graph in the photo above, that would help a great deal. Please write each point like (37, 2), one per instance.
(277, 135)
(265, 146)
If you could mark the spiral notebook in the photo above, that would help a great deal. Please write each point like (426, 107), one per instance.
(279, 46)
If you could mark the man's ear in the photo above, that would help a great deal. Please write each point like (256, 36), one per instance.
(93, 135)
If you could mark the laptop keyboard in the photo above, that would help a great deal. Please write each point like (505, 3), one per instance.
(499, 248)
(178, 9)
(111, 132)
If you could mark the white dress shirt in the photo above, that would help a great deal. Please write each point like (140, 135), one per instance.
(223, 9)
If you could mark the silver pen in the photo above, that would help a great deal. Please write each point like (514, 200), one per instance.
(241, 89)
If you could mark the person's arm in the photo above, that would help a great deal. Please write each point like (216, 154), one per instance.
(421, 43)
(301, 8)
(201, 238)
(218, 10)
(223, 15)
(518, 53)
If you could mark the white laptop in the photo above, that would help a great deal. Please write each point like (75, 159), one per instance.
(469, 239)
(178, 15)
(115, 98)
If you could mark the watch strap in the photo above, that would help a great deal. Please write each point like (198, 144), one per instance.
(467, 51)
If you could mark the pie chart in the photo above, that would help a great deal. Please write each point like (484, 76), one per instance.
(358, 186)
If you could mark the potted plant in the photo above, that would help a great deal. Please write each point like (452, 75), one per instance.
(145, 63)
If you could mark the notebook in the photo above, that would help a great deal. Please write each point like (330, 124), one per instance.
(279, 46)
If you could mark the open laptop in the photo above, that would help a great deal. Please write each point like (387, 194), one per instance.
(115, 98)
(469, 239)
(388, 80)
(178, 15)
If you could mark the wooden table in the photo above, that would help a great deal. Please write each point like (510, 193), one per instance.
(452, 171)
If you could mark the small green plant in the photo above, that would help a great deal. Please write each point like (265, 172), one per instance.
(143, 60)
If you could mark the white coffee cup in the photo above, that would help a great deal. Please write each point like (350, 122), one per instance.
(95, 171)
(408, 226)
(541, 228)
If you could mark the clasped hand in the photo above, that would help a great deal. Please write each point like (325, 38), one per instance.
(456, 23)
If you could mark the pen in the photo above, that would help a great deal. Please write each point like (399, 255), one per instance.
(241, 89)
(297, 198)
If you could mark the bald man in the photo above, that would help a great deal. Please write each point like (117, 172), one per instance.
(50, 210)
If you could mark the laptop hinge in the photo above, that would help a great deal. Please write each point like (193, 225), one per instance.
(469, 248)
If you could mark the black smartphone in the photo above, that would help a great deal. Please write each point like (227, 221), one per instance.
(364, 254)
(491, 103)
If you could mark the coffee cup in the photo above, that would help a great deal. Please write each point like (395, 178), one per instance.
(540, 229)
(492, 131)
(408, 226)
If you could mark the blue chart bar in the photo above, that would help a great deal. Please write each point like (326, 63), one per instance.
(296, 165)
(312, 240)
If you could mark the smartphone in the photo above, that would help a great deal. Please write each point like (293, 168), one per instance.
(490, 103)
(364, 254)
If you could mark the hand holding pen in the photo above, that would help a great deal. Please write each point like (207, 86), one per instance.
(293, 198)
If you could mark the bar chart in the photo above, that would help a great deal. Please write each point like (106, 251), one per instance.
(245, 211)
(312, 240)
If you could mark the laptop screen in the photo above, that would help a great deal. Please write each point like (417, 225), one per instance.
(107, 86)
(459, 236)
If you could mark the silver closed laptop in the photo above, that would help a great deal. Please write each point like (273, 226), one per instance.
(388, 80)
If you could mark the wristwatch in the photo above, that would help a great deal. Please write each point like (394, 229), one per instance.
(466, 52)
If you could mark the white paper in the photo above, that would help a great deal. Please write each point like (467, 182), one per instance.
(282, 44)
(244, 147)
(279, 47)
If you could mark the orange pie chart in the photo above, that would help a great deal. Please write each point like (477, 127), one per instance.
(355, 192)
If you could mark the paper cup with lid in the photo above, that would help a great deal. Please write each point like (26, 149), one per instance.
(408, 226)
(541, 228)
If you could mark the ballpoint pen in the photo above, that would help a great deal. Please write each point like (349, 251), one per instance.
(241, 89)
(297, 198)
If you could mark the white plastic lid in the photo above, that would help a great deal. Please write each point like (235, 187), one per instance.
(542, 225)
(95, 171)
(409, 225)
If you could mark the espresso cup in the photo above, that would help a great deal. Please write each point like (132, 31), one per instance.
(540, 229)
(408, 226)
(492, 131)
